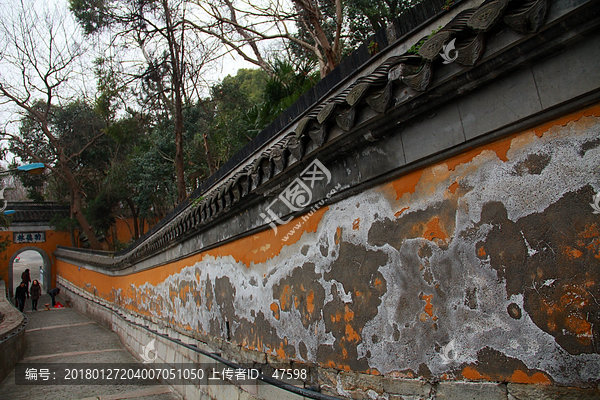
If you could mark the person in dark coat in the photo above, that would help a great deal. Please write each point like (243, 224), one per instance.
(36, 293)
(53, 293)
(26, 277)
(20, 295)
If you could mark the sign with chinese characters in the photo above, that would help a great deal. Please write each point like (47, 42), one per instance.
(29, 237)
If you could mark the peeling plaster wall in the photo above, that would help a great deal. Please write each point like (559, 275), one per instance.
(482, 267)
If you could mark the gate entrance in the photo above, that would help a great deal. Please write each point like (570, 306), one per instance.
(32, 243)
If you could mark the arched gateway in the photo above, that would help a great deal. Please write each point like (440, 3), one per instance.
(29, 229)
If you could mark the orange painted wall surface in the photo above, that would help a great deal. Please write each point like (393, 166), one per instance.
(124, 230)
(481, 267)
(248, 250)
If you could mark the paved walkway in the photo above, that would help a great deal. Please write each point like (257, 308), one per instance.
(66, 336)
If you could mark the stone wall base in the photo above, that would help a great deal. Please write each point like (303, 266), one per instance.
(136, 332)
(12, 334)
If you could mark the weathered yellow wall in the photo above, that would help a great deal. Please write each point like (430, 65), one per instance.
(483, 267)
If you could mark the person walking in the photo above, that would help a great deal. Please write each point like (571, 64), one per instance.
(53, 293)
(20, 294)
(36, 293)
(26, 277)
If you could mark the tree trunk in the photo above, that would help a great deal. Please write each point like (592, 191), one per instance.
(181, 192)
(71, 230)
(85, 226)
(315, 19)
(176, 80)
(134, 215)
(209, 160)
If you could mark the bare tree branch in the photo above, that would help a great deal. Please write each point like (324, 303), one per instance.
(44, 59)
(244, 24)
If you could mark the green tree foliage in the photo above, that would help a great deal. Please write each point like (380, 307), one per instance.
(173, 56)
(78, 133)
(365, 17)
(231, 99)
(281, 90)
(130, 170)
(140, 181)
(35, 184)
(151, 129)
(150, 172)
(241, 106)
(94, 15)
(78, 142)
